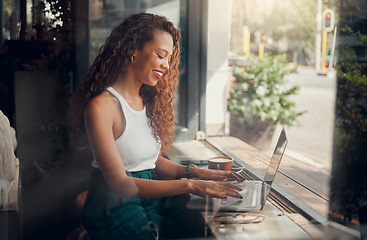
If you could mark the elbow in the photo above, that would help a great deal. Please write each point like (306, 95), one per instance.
(126, 188)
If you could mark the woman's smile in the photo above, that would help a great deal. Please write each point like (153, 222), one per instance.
(158, 74)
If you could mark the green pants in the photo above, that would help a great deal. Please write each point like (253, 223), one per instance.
(106, 216)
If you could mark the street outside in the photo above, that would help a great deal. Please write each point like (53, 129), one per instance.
(312, 140)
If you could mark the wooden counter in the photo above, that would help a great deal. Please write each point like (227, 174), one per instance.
(297, 207)
(305, 185)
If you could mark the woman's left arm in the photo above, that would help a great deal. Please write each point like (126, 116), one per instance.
(166, 169)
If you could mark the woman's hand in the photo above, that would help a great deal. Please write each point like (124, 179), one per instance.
(216, 175)
(213, 189)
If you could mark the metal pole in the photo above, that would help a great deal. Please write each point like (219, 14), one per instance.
(23, 19)
(246, 40)
(1, 23)
(261, 49)
(318, 36)
(333, 49)
(323, 51)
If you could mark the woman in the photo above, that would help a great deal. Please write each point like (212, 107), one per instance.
(127, 101)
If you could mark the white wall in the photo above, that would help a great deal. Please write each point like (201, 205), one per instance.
(219, 13)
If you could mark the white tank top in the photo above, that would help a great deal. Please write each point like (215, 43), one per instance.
(137, 145)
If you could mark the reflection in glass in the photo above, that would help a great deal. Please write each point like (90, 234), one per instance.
(348, 196)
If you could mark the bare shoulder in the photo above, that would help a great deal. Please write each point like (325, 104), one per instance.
(102, 106)
(102, 113)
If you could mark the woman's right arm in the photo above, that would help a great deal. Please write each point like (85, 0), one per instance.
(99, 123)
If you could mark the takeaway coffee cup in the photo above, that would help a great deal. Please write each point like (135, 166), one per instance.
(220, 163)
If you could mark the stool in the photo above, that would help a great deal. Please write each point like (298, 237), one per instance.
(79, 233)
(80, 199)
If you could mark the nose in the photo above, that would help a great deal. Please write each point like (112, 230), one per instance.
(165, 64)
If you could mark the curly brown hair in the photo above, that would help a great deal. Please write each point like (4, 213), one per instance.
(115, 56)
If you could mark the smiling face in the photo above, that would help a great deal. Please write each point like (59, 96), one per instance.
(151, 63)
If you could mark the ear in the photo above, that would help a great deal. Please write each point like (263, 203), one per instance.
(133, 57)
(135, 52)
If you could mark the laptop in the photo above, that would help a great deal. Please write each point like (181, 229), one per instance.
(254, 192)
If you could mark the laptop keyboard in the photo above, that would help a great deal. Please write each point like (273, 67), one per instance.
(250, 190)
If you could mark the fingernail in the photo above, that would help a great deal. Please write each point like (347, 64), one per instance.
(224, 177)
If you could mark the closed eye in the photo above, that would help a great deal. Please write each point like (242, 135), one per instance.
(159, 56)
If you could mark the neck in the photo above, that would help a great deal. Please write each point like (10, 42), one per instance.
(127, 86)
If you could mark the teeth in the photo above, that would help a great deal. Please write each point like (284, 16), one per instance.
(159, 73)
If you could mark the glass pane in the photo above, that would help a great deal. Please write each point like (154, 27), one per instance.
(9, 20)
(268, 92)
(348, 185)
(106, 15)
(327, 40)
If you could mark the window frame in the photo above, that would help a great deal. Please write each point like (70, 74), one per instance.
(193, 78)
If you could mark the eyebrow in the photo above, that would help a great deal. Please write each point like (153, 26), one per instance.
(164, 50)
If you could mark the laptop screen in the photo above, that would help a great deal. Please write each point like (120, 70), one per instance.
(275, 159)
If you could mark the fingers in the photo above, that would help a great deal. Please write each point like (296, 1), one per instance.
(229, 175)
(220, 175)
(232, 186)
(224, 190)
(215, 189)
(236, 177)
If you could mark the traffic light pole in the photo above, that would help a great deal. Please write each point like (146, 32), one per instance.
(323, 51)
(331, 63)
(246, 40)
(261, 49)
(318, 36)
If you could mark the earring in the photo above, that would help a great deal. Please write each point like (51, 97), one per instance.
(132, 59)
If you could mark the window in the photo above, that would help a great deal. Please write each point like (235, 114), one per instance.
(105, 15)
(341, 145)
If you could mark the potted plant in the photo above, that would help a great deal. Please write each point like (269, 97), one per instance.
(260, 99)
